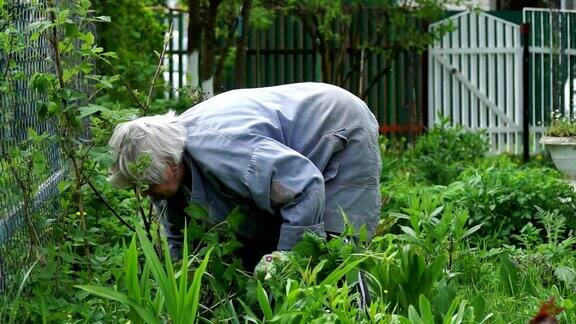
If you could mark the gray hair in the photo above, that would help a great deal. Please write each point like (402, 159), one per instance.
(162, 138)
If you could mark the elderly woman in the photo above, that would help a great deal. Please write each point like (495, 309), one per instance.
(295, 158)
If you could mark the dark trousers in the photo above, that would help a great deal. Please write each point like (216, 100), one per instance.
(259, 236)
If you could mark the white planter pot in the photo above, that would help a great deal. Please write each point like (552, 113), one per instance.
(563, 153)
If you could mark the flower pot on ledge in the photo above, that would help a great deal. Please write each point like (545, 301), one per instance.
(563, 153)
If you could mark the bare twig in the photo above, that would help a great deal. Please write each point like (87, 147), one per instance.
(159, 67)
(94, 94)
(54, 40)
(142, 214)
(125, 83)
(373, 82)
(97, 193)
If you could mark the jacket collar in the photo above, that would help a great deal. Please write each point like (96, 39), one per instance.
(198, 189)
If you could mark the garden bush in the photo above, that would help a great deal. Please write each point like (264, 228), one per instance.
(445, 151)
(135, 33)
(504, 199)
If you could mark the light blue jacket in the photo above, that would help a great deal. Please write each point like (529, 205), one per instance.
(272, 147)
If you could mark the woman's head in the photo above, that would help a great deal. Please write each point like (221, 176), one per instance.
(159, 141)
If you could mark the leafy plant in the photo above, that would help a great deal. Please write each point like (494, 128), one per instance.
(25, 163)
(444, 152)
(457, 313)
(74, 52)
(506, 198)
(175, 297)
(437, 229)
(400, 280)
(136, 30)
(561, 126)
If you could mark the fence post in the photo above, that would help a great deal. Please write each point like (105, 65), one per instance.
(425, 82)
(526, 92)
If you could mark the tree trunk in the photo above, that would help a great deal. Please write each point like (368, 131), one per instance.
(240, 66)
(194, 39)
(208, 45)
(223, 55)
(326, 62)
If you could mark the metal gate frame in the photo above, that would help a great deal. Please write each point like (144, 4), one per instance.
(475, 79)
(476, 75)
(552, 66)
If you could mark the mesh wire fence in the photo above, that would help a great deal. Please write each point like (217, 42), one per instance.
(18, 113)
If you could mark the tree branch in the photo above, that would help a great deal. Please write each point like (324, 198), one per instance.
(97, 193)
(159, 67)
(125, 83)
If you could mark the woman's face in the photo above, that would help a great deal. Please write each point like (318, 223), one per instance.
(173, 176)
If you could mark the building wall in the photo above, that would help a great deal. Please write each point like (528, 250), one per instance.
(482, 4)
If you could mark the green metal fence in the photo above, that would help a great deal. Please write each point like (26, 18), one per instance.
(552, 75)
(18, 112)
(285, 53)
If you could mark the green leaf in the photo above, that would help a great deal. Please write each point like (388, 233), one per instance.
(508, 274)
(183, 289)
(40, 82)
(90, 110)
(341, 271)
(110, 55)
(249, 312)
(131, 266)
(42, 110)
(165, 284)
(102, 19)
(193, 296)
(38, 26)
(425, 310)
(413, 316)
(53, 108)
(89, 38)
(20, 287)
(472, 230)
(262, 297)
(436, 212)
(62, 16)
(106, 292)
(409, 231)
(567, 304)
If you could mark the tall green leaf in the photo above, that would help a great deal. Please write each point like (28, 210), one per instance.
(262, 297)
(109, 293)
(508, 274)
(165, 284)
(131, 269)
(341, 271)
(193, 296)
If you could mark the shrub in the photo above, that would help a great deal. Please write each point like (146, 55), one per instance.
(506, 198)
(444, 152)
(135, 32)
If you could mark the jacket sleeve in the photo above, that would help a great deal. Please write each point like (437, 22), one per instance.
(280, 178)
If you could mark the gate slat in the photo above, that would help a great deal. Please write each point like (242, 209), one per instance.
(499, 84)
(491, 84)
(464, 68)
(474, 70)
(455, 61)
(445, 81)
(482, 67)
(509, 93)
